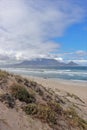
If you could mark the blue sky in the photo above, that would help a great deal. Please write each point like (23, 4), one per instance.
(74, 40)
(43, 28)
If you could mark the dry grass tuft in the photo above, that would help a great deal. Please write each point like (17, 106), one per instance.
(21, 93)
(74, 119)
(8, 99)
(45, 113)
(3, 75)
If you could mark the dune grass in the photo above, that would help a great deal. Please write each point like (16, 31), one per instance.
(74, 119)
(21, 93)
(45, 113)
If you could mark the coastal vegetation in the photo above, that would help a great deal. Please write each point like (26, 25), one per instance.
(38, 102)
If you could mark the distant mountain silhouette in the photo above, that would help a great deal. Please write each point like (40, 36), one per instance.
(71, 63)
(43, 63)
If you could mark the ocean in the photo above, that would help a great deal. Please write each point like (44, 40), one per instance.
(66, 73)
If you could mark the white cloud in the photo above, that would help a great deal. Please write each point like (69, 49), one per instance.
(26, 26)
(81, 62)
(81, 53)
(59, 59)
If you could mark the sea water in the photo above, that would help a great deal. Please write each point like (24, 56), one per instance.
(66, 73)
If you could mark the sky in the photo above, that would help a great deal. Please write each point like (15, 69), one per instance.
(43, 29)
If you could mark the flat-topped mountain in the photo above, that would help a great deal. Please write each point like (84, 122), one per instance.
(44, 62)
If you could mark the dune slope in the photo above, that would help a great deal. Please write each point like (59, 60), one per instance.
(27, 105)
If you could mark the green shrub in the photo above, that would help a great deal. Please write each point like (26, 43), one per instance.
(45, 113)
(56, 107)
(18, 78)
(33, 83)
(31, 109)
(3, 74)
(21, 93)
(8, 99)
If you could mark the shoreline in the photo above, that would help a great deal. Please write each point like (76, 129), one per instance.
(56, 79)
(47, 75)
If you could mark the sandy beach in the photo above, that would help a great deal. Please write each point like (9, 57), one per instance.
(78, 88)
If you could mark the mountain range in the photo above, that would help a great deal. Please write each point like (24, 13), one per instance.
(43, 63)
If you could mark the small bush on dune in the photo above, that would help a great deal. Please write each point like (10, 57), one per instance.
(33, 83)
(45, 113)
(3, 74)
(31, 109)
(21, 93)
(18, 78)
(56, 107)
(8, 99)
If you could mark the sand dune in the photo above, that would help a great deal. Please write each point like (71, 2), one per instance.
(32, 103)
